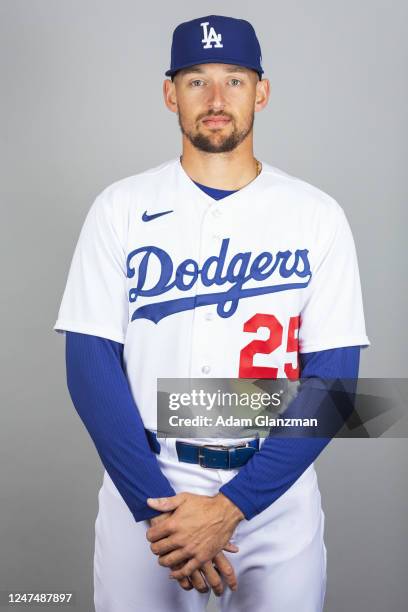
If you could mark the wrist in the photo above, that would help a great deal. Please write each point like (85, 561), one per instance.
(231, 510)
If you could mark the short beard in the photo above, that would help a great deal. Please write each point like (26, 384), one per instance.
(204, 143)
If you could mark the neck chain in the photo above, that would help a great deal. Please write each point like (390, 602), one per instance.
(258, 167)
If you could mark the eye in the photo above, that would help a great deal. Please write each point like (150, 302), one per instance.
(196, 82)
(235, 82)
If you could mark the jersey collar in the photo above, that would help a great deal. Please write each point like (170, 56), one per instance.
(246, 190)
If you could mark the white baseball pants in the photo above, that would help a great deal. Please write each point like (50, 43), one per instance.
(280, 567)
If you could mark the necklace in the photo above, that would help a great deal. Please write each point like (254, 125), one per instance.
(258, 167)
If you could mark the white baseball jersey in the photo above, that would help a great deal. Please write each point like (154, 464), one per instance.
(195, 287)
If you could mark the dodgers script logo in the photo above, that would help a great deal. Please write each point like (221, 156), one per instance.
(293, 270)
(210, 38)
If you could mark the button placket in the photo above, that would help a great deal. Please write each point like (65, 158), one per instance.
(202, 345)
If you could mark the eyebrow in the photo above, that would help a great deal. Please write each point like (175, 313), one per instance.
(227, 68)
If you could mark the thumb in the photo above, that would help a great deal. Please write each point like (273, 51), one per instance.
(230, 547)
(165, 503)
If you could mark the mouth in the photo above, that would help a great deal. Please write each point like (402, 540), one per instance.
(216, 122)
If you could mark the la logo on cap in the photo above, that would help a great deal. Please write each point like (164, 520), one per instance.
(211, 38)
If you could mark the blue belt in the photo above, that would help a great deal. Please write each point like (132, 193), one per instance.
(215, 456)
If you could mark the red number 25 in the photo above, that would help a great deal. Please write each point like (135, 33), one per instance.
(246, 367)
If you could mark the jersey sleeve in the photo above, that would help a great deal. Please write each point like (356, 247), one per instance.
(95, 297)
(332, 314)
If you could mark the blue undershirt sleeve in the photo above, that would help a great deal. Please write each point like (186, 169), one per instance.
(100, 392)
(281, 461)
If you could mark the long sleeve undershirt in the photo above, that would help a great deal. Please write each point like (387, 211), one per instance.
(102, 397)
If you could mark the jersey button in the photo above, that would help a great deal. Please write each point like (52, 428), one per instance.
(209, 316)
(217, 213)
(206, 369)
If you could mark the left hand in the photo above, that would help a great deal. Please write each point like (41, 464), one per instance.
(198, 528)
(212, 574)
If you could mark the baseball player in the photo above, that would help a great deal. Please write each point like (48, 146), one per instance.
(213, 264)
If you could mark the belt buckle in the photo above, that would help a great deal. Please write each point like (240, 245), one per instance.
(216, 446)
(220, 447)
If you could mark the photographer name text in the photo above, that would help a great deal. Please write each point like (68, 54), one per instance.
(259, 420)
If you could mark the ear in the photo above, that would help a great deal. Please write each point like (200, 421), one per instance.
(262, 94)
(169, 94)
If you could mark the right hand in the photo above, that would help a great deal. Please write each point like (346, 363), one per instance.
(210, 574)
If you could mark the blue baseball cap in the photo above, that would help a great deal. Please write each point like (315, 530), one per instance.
(215, 39)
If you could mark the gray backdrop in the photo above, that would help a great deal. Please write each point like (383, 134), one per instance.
(82, 107)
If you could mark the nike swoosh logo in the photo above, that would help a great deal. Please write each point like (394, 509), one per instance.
(147, 217)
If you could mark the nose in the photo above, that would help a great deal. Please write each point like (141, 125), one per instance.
(216, 96)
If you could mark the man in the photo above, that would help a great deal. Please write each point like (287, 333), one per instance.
(213, 264)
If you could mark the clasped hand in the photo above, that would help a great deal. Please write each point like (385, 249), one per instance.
(190, 535)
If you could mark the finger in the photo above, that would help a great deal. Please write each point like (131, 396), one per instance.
(163, 546)
(198, 582)
(165, 503)
(158, 518)
(230, 547)
(183, 582)
(226, 570)
(187, 569)
(176, 556)
(160, 530)
(213, 578)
